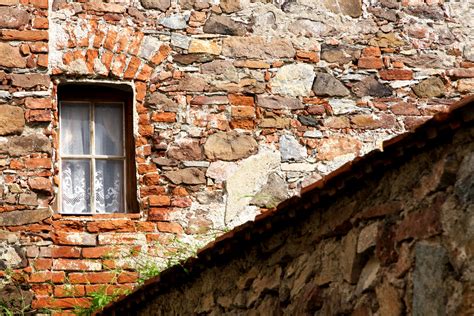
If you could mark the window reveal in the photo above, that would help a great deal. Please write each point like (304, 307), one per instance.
(96, 166)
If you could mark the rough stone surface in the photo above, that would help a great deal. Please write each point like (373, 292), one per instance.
(248, 179)
(428, 279)
(291, 150)
(272, 193)
(12, 120)
(162, 5)
(279, 103)
(10, 56)
(17, 218)
(12, 18)
(23, 145)
(327, 85)
(257, 47)
(185, 150)
(229, 146)
(371, 86)
(186, 176)
(293, 80)
(221, 24)
(430, 88)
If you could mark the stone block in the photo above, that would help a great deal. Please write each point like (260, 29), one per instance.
(12, 120)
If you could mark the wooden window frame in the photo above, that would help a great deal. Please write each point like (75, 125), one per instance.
(93, 93)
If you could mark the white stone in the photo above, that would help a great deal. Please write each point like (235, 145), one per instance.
(180, 40)
(175, 21)
(402, 83)
(221, 170)
(293, 80)
(23, 94)
(197, 164)
(313, 134)
(345, 106)
(149, 46)
(291, 149)
(249, 178)
(300, 167)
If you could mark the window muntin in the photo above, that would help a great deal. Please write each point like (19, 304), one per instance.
(93, 157)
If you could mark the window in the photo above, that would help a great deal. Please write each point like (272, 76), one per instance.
(96, 150)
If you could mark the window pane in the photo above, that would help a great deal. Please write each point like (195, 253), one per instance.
(75, 186)
(75, 135)
(109, 129)
(109, 186)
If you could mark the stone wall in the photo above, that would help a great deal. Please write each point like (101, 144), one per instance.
(400, 243)
(237, 105)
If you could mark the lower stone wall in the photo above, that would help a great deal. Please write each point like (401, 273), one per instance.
(399, 244)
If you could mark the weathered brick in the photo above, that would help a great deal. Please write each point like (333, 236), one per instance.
(370, 63)
(47, 276)
(65, 252)
(165, 117)
(119, 225)
(38, 115)
(168, 227)
(91, 277)
(73, 238)
(70, 302)
(69, 290)
(38, 103)
(396, 74)
(159, 200)
(76, 265)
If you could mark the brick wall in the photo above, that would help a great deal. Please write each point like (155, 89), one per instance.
(237, 106)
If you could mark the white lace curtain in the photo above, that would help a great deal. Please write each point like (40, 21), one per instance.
(79, 154)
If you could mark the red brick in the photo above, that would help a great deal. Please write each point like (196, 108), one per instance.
(65, 252)
(36, 163)
(42, 4)
(151, 179)
(70, 302)
(42, 264)
(159, 200)
(145, 73)
(307, 56)
(99, 252)
(121, 225)
(40, 184)
(167, 227)
(181, 202)
(42, 289)
(242, 112)
(69, 290)
(40, 22)
(47, 276)
(36, 103)
(367, 121)
(73, 238)
(76, 265)
(132, 68)
(145, 226)
(120, 238)
(371, 51)
(146, 168)
(370, 63)
(161, 55)
(110, 40)
(396, 74)
(242, 124)
(92, 277)
(158, 214)
(109, 289)
(38, 115)
(28, 35)
(127, 277)
(166, 117)
(236, 99)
